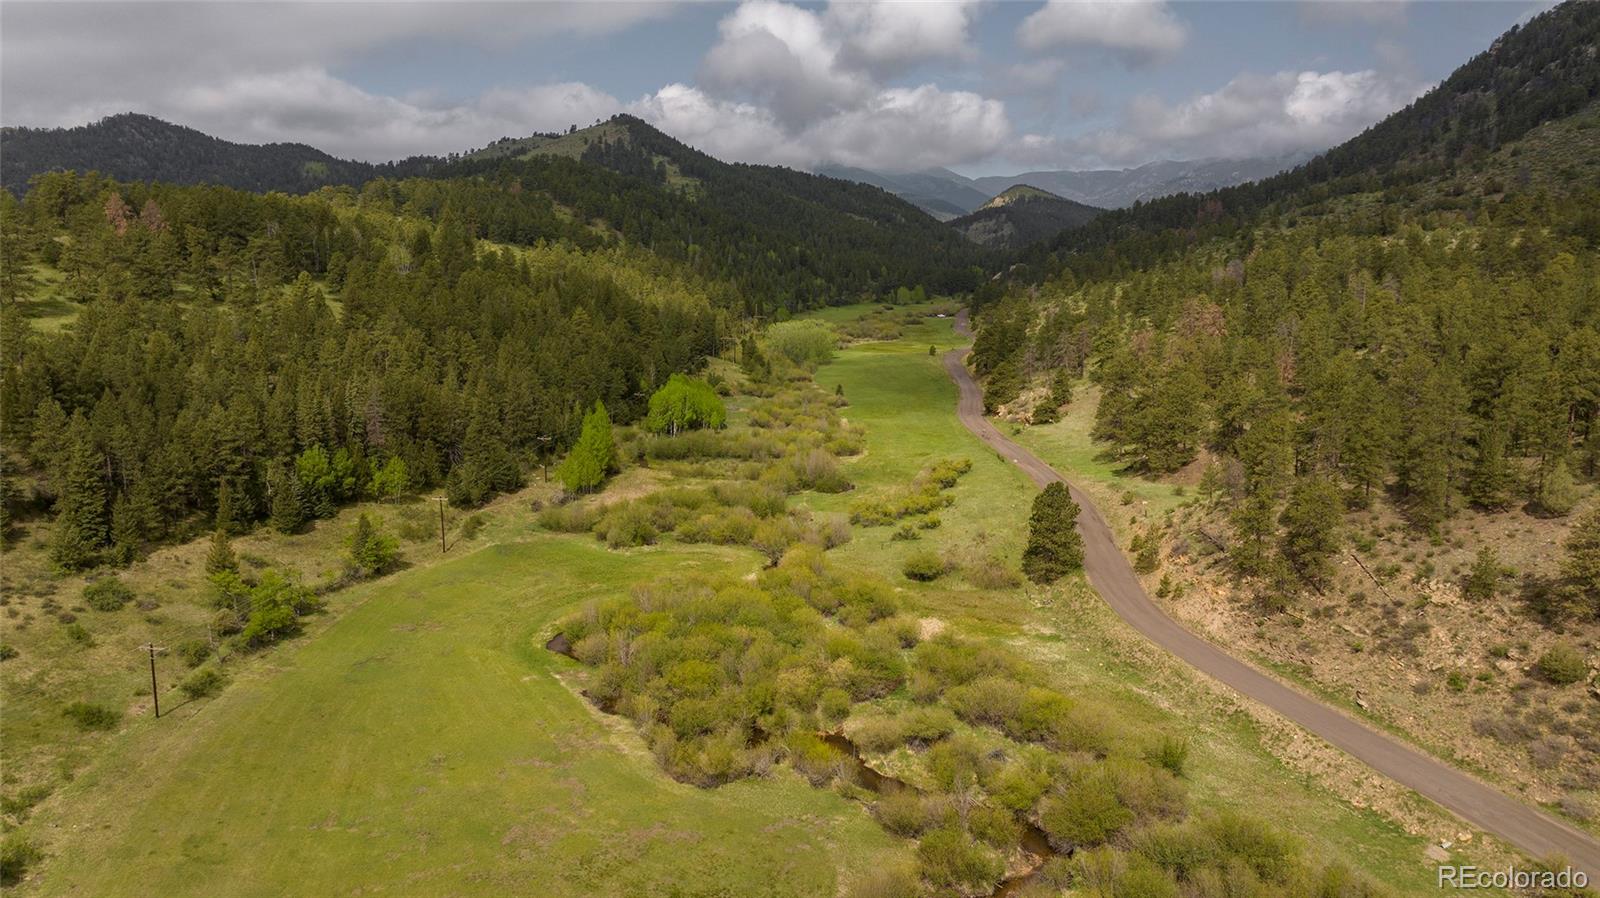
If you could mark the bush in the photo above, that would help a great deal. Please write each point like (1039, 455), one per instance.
(951, 860)
(194, 652)
(924, 566)
(202, 683)
(371, 551)
(1086, 813)
(903, 813)
(1171, 753)
(107, 594)
(1563, 664)
(627, 525)
(991, 572)
(568, 518)
(78, 634)
(890, 882)
(89, 716)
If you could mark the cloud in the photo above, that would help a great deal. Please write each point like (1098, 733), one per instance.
(1138, 31)
(255, 71)
(1251, 115)
(898, 129)
(799, 87)
(891, 36)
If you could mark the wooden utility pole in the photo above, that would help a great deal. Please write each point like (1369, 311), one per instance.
(441, 501)
(155, 694)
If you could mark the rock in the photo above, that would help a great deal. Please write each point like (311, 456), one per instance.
(1437, 854)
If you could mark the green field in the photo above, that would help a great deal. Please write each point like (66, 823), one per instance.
(422, 743)
(426, 745)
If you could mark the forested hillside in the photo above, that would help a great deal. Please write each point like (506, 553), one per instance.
(800, 239)
(1020, 216)
(237, 357)
(1380, 377)
(133, 147)
(1535, 73)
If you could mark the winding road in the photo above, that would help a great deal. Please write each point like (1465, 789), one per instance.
(1534, 832)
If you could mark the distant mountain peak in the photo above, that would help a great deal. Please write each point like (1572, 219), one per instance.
(1020, 193)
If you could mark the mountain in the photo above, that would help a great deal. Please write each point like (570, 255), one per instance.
(939, 191)
(133, 147)
(945, 194)
(1119, 188)
(1536, 73)
(803, 239)
(1022, 215)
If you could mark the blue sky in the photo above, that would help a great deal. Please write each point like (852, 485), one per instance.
(981, 87)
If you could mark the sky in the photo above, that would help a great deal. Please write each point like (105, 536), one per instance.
(979, 86)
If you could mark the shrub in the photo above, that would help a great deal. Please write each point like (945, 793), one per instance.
(371, 552)
(89, 716)
(991, 572)
(1563, 664)
(1171, 753)
(572, 518)
(815, 759)
(78, 634)
(7, 652)
(924, 566)
(903, 813)
(202, 683)
(627, 525)
(107, 594)
(952, 860)
(1086, 813)
(806, 343)
(194, 652)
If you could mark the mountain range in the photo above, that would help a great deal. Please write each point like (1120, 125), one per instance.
(1022, 215)
(945, 195)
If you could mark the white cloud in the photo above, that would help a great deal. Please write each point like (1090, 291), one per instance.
(888, 36)
(1252, 115)
(783, 57)
(1139, 31)
(260, 71)
(898, 129)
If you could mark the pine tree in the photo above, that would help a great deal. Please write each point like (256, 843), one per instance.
(1489, 481)
(593, 457)
(1054, 547)
(1580, 569)
(1559, 493)
(371, 552)
(125, 529)
(1310, 522)
(287, 513)
(80, 529)
(220, 557)
(1253, 531)
(1484, 577)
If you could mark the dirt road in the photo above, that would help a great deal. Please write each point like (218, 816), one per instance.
(1538, 834)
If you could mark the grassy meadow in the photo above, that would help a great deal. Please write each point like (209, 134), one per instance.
(418, 740)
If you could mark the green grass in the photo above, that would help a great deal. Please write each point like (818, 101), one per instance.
(418, 741)
(425, 744)
(907, 403)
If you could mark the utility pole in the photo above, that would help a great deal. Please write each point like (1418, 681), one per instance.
(544, 457)
(441, 501)
(155, 695)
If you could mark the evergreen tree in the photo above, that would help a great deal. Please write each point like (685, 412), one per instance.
(125, 529)
(80, 528)
(593, 457)
(220, 558)
(287, 512)
(1558, 493)
(1054, 547)
(1253, 531)
(1580, 568)
(1310, 521)
(1489, 481)
(1483, 579)
(371, 552)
